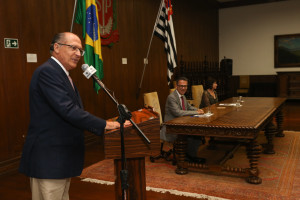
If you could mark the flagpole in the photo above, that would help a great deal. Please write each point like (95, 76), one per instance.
(146, 61)
(74, 10)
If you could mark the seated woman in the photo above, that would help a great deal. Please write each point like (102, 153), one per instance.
(209, 96)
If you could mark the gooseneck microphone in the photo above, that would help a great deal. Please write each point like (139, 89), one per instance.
(89, 71)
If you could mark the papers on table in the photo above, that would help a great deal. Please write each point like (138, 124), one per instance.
(204, 115)
(228, 104)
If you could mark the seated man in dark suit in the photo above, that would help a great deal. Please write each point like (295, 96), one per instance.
(177, 106)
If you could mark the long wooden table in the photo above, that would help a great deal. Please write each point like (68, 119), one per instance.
(245, 122)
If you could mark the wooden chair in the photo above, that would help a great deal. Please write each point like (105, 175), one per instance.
(197, 92)
(172, 90)
(151, 99)
(244, 85)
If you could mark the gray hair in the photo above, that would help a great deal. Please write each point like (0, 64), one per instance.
(57, 38)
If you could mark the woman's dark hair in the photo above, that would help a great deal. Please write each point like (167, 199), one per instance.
(209, 82)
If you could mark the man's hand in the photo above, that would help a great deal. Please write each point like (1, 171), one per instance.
(114, 124)
(200, 111)
(127, 123)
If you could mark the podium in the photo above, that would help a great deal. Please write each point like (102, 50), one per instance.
(136, 148)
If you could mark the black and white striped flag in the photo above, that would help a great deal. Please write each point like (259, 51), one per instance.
(165, 31)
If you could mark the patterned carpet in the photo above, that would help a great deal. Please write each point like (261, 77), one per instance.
(280, 174)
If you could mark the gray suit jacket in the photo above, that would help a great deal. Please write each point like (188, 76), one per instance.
(173, 109)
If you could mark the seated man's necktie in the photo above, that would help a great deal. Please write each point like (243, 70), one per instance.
(182, 102)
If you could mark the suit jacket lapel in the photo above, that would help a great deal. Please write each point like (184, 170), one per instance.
(178, 99)
(78, 97)
(74, 93)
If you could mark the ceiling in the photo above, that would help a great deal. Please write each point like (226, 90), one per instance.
(236, 3)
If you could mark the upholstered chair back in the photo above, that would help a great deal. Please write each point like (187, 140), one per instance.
(151, 99)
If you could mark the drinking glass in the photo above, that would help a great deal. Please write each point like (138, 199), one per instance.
(241, 99)
(208, 110)
(238, 103)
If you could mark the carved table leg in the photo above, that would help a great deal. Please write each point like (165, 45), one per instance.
(253, 151)
(212, 144)
(181, 147)
(279, 120)
(270, 131)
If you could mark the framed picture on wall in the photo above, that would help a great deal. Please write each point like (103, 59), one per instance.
(287, 50)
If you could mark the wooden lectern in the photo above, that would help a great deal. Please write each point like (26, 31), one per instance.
(136, 148)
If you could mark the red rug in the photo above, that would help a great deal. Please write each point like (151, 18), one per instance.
(280, 175)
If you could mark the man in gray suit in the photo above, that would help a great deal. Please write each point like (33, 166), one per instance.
(177, 106)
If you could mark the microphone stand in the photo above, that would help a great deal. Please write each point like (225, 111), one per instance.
(124, 115)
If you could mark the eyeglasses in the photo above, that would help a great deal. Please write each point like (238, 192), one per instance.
(74, 48)
(182, 86)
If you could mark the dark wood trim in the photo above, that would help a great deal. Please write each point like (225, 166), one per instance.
(288, 85)
(9, 166)
(237, 3)
(260, 86)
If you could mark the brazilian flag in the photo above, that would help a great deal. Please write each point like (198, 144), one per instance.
(87, 15)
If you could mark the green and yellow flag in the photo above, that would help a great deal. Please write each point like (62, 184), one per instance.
(87, 15)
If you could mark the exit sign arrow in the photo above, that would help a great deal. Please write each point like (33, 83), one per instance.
(12, 43)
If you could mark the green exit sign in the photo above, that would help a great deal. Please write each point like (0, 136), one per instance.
(11, 43)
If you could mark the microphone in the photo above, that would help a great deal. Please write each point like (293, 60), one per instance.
(89, 71)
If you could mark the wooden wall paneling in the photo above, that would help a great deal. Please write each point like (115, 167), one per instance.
(196, 29)
(141, 33)
(4, 135)
(145, 16)
(289, 85)
(263, 86)
(29, 41)
(135, 56)
(282, 84)
(155, 78)
(61, 15)
(46, 27)
(126, 47)
(35, 23)
(233, 85)
(11, 74)
(260, 85)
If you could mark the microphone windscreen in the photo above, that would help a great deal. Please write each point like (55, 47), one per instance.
(84, 67)
(88, 71)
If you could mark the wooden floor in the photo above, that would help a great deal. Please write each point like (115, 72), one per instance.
(16, 186)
